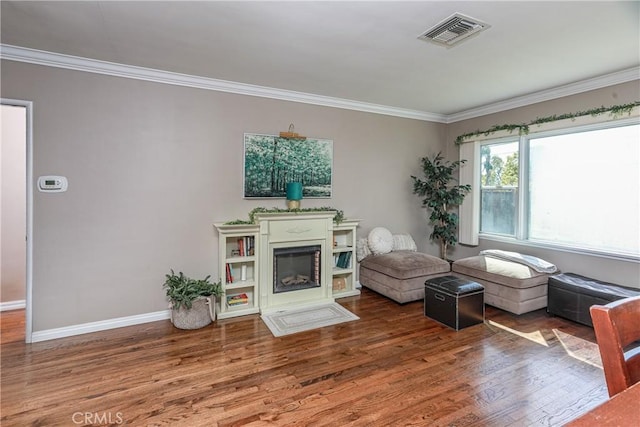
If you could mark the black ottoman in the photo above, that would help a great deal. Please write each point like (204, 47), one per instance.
(456, 302)
(570, 296)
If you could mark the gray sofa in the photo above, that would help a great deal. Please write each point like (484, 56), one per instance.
(392, 266)
(400, 275)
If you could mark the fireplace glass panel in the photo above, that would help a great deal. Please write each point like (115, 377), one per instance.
(296, 268)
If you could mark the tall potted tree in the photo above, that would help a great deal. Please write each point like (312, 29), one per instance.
(441, 194)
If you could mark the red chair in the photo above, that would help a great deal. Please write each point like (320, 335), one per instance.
(617, 328)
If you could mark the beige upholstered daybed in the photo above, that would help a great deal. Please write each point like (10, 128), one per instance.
(391, 265)
(513, 282)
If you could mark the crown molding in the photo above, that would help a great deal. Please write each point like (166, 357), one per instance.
(618, 77)
(51, 59)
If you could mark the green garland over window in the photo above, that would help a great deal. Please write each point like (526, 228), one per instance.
(523, 128)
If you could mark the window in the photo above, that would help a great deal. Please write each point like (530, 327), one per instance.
(499, 187)
(575, 188)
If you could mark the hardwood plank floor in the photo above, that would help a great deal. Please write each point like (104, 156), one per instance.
(393, 367)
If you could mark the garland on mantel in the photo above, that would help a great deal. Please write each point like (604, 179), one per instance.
(338, 218)
(523, 128)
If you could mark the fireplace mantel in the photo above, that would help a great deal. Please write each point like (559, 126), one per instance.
(290, 230)
(246, 254)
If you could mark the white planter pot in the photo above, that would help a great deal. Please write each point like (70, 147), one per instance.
(201, 313)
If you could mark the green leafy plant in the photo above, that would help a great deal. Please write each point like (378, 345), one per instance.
(614, 111)
(441, 195)
(338, 218)
(182, 290)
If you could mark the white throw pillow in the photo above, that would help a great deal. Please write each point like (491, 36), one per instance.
(404, 242)
(362, 249)
(380, 241)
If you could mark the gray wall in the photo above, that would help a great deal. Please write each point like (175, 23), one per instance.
(151, 167)
(616, 271)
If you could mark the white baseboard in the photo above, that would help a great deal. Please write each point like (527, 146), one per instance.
(102, 325)
(13, 305)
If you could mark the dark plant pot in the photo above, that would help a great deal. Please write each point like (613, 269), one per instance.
(201, 314)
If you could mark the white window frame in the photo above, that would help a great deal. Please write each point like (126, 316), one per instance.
(471, 213)
(505, 140)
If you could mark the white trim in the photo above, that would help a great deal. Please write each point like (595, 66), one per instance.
(618, 77)
(50, 59)
(28, 105)
(579, 124)
(102, 325)
(12, 305)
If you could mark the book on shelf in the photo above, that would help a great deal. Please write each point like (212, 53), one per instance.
(229, 273)
(237, 299)
(250, 245)
(343, 260)
(246, 245)
(347, 261)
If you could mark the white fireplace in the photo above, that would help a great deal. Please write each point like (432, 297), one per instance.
(295, 261)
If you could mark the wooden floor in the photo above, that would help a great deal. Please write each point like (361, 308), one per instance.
(393, 367)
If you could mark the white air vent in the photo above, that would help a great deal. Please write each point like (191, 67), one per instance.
(453, 30)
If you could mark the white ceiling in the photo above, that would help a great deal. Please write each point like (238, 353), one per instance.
(361, 51)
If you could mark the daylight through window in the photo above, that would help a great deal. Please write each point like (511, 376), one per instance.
(576, 188)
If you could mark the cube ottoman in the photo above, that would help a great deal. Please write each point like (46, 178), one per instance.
(454, 301)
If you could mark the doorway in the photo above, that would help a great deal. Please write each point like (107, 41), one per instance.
(16, 215)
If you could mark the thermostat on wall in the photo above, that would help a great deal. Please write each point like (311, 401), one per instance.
(52, 184)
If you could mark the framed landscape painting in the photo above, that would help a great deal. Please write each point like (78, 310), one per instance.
(271, 161)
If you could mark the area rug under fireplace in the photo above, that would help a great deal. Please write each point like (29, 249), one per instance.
(288, 322)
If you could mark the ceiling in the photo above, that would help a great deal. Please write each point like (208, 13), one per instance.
(362, 51)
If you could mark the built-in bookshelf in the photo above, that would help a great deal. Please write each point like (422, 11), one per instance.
(239, 268)
(344, 259)
(239, 261)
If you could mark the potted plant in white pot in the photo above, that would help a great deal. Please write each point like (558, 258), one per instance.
(193, 302)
